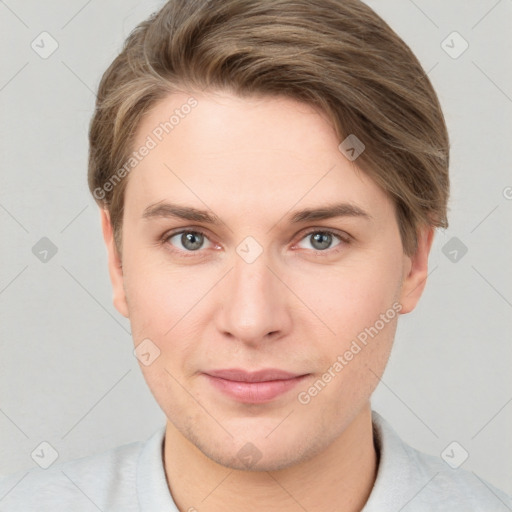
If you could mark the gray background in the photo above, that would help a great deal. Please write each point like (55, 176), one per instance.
(67, 370)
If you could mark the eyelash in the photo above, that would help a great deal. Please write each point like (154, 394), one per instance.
(344, 239)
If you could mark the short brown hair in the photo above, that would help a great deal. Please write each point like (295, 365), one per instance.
(336, 55)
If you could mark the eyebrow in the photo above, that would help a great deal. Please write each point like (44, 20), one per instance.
(170, 210)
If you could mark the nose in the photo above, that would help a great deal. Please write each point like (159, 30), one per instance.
(253, 302)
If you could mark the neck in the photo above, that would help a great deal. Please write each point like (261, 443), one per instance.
(339, 478)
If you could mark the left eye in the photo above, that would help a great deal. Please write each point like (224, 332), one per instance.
(322, 240)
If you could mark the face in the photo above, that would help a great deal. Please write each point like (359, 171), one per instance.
(273, 311)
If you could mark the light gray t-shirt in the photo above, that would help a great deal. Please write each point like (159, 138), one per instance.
(132, 478)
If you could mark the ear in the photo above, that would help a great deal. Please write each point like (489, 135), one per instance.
(416, 271)
(114, 265)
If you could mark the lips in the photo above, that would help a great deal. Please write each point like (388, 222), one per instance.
(253, 387)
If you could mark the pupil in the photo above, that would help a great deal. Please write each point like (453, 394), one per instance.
(324, 240)
(189, 237)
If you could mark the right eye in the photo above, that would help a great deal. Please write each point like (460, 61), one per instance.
(190, 240)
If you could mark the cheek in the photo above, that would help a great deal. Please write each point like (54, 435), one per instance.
(169, 307)
(158, 295)
(359, 302)
(350, 298)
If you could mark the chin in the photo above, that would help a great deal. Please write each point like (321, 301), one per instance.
(257, 450)
(251, 458)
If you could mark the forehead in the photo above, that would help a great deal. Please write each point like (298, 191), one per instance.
(220, 122)
(250, 154)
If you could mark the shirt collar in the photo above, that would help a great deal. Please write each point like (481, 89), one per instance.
(152, 489)
(400, 474)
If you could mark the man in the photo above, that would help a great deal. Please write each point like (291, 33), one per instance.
(269, 175)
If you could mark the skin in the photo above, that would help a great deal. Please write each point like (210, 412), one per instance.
(253, 162)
